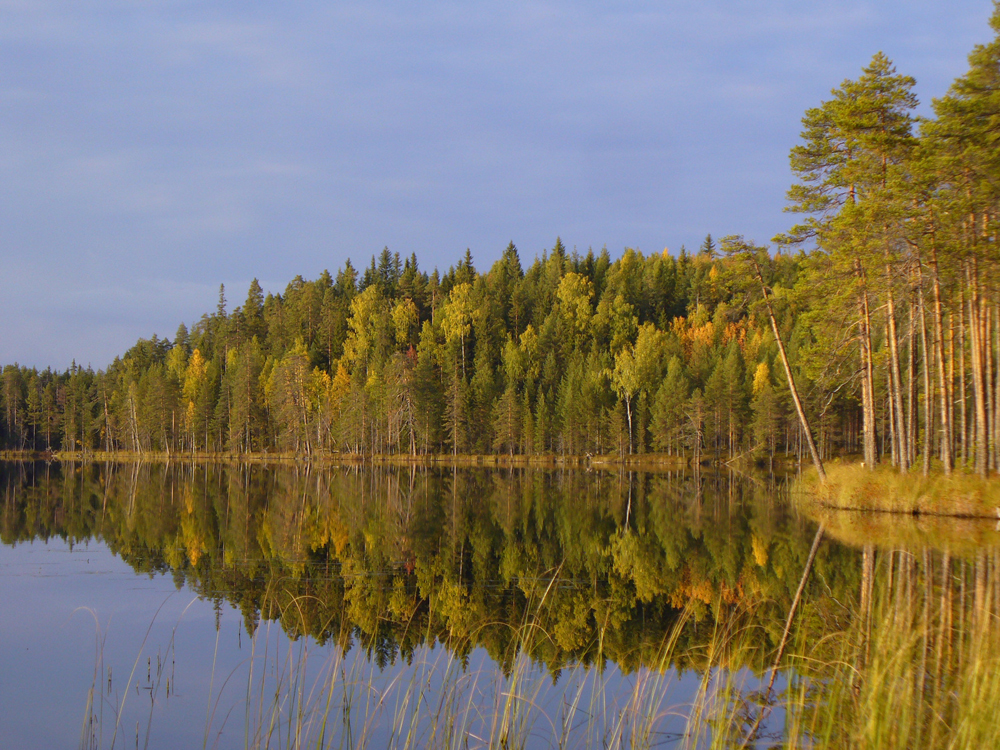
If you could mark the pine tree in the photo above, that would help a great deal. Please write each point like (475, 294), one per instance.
(851, 166)
(961, 166)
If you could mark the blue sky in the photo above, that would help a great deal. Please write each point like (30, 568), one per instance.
(150, 151)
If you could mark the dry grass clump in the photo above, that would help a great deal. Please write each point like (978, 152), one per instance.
(854, 487)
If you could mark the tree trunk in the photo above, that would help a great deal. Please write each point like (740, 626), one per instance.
(928, 399)
(986, 319)
(891, 405)
(817, 462)
(943, 383)
(628, 410)
(961, 374)
(895, 380)
(978, 389)
(911, 387)
(867, 375)
(995, 390)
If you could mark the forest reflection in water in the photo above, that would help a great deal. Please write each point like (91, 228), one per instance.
(553, 572)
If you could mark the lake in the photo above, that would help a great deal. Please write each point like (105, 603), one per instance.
(180, 605)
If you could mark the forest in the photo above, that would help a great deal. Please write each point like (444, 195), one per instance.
(883, 300)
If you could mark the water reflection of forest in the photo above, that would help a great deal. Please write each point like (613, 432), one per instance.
(603, 564)
(394, 557)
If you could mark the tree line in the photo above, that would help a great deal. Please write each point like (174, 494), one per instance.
(883, 298)
(573, 355)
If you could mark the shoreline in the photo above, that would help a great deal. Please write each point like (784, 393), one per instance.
(853, 488)
(644, 461)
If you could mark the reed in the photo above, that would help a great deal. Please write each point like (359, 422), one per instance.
(917, 667)
(299, 694)
(912, 662)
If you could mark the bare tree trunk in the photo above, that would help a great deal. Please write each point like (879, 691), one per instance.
(867, 375)
(108, 441)
(978, 387)
(895, 380)
(817, 462)
(995, 391)
(987, 354)
(943, 384)
(928, 400)
(891, 404)
(911, 387)
(628, 408)
(961, 376)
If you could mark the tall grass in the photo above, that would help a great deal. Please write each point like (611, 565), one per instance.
(913, 661)
(299, 694)
(917, 667)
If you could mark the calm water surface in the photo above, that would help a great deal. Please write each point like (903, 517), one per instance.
(187, 606)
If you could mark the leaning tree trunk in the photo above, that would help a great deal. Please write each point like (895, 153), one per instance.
(817, 462)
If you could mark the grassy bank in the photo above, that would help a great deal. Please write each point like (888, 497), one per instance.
(853, 487)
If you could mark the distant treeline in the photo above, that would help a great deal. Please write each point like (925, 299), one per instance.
(891, 324)
(577, 354)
